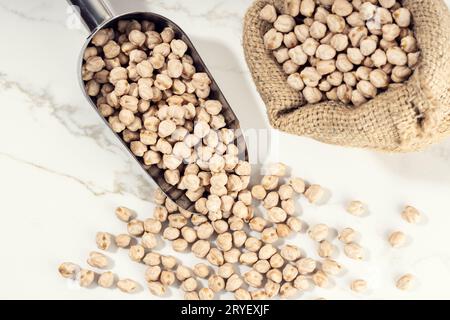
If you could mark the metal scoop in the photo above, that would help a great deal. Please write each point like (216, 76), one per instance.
(96, 16)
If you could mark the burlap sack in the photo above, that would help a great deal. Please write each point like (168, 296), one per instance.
(407, 118)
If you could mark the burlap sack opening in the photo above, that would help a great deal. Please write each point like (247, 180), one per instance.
(404, 119)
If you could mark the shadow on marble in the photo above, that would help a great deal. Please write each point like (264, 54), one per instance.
(432, 164)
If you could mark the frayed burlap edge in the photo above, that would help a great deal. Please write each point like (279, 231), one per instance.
(403, 119)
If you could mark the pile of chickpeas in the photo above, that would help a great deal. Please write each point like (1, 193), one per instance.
(147, 86)
(246, 252)
(342, 50)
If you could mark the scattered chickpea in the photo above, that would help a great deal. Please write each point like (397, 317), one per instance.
(314, 193)
(405, 282)
(354, 251)
(106, 279)
(127, 285)
(156, 288)
(306, 265)
(410, 215)
(68, 270)
(86, 277)
(216, 283)
(135, 227)
(358, 285)
(356, 208)
(326, 249)
(347, 235)
(331, 267)
(397, 239)
(124, 214)
(320, 279)
(97, 260)
(318, 232)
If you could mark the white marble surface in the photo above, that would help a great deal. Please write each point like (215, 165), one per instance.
(62, 172)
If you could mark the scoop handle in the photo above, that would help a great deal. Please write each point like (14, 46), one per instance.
(92, 12)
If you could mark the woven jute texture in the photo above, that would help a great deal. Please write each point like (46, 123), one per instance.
(403, 119)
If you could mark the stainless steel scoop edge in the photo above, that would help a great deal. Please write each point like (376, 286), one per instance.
(93, 13)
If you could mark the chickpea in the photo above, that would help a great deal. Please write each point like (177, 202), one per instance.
(343, 64)
(306, 265)
(111, 49)
(298, 56)
(268, 13)
(397, 239)
(402, 17)
(307, 8)
(331, 267)
(367, 10)
(318, 232)
(68, 270)
(335, 23)
(318, 30)
(310, 76)
(271, 288)
(355, 56)
(368, 46)
(405, 282)
(290, 67)
(354, 251)
(292, 7)
(301, 283)
(301, 32)
(97, 260)
(314, 193)
(86, 278)
(233, 283)
(408, 44)
(339, 42)
(325, 52)
(383, 15)
(390, 32)
(320, 279)
(396, 56)
(281, 55)
(356, 34)
(310, 46)
(387, 3)
(355, 20)
(350, 79)
(367, 89)
(284, 23)
(358, 98)
(379, 78)
(273, 39)
(342, 8)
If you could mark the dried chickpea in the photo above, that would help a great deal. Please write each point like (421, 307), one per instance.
(410, 215)
(354, 251)
(106, 279)
(356, 208)
(358, 285)
(397, 239)
(314, 193)
(86, 278)
(405, 282)
(347, 235)
(320, 279)
(318, 232)
(97, 260)
(268, 13)
(68, 270)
